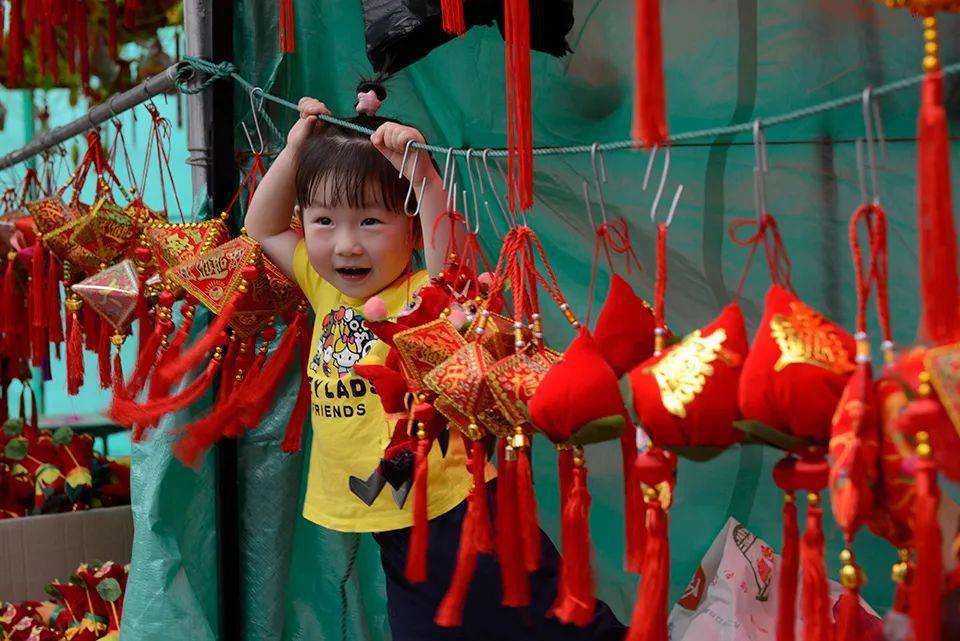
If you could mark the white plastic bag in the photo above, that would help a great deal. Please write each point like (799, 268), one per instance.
(733, 594)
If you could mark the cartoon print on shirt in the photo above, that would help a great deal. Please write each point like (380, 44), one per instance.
(344, 340)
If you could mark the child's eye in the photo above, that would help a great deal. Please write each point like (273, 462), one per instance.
(370, 221)
(324, 221)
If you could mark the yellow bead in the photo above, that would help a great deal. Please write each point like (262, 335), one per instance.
(849, 577)
(898, 573)
(846, 556)
(813, 499)
(930, 22)
(930, 63)
(117, 339)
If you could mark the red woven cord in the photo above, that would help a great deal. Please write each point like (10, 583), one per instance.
(767, 234)
(516, 586)
(660, 284)
(789, 572)
(610, 238)
(519, 129)
(74, 355)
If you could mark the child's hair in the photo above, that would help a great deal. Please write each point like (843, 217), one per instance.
(339, 166)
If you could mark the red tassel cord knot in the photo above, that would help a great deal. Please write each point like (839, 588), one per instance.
(576, 598)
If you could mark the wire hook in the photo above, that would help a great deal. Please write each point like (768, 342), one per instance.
(873, 130)
(254, 109)
(413, 175)
(473, 185)
(493, 190)
(599, 177)
(447, 163)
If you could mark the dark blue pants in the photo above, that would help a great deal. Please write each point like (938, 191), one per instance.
(411, 608)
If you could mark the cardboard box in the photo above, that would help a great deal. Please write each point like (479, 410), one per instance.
(34, 550)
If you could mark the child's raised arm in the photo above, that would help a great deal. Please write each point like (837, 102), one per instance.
(268, 218)
(391, 139)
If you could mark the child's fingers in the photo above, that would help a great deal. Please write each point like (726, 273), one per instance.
(312, 107)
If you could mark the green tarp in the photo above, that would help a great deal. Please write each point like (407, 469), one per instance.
(727, 62)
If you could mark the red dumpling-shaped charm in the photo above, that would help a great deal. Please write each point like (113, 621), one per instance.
(687, 395)
(796, 370)
(625, 328)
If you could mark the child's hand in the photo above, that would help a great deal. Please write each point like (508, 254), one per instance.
(309, 109)
(391, 140)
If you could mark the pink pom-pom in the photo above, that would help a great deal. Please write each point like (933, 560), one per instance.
(457, 318)
(375, 309)
(485, 280)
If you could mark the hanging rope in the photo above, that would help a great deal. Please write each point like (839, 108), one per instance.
(217, 71)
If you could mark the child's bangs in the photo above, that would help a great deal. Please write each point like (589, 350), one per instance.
(352, 174)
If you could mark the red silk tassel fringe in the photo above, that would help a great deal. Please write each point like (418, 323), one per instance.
(527, 512)
(416, 569)
(74, 355)
(130, 9)
(789, 573)
(649, 104)
(10, 301)
(940, 292)
(816, 595)
(293, 437)
(927, 588)
(452, 17)
(15, 45)
(450, 611)
(174, 370)
(576, 600)
(649, 621)
(54, 324)
(288, 40)
(848, 618)
(38, 316)
(112, 47)
(127, 412)
(259, 399)
(634, 508)
(519, 119)
(103, 354)
(516, 587)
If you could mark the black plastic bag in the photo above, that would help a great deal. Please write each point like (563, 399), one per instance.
(400, 32)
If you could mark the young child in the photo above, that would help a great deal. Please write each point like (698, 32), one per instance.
(358, 243)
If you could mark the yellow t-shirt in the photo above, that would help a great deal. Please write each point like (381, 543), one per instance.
(350, 431)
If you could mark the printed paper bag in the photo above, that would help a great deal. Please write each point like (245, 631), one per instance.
(733, 594)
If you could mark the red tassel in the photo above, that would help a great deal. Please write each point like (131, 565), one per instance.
(158, 387)
(816, 596)
(38, 316)
(634, 509)
(174, 371)
(130, 9)
(103, 354)
(519, 120)
(901, 597)
(527, 506)
(576, 600)
(112, 29)
(74, 355)
(848, 619)
(127, 412)
(15, 45)
(940, 292)
(118, 385)
(925, 597)
(649, 104)
(90, 324)
(145, 324)
(293, 437)
(260, 397)
(83, 40)
(417, 552)
(450, 611)
(453, 20)
(288, 42)
(10, 301)
(789, 572)
(54, 324)
(649, 621)
(516, 587)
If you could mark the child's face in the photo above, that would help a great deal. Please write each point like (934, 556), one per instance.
(358, 251)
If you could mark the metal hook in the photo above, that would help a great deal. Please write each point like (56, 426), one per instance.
(661, 185)
(447, 162)
(254, 109)
(872, 125)
(586, 202)
(496, 195)
(521, 215)
(466, 218)
(760, 168)
(413, 174)
(599, 177)
(473, 185)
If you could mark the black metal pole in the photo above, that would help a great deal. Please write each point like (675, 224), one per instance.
(223, 182)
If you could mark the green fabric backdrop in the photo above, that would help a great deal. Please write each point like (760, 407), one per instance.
(727, 61)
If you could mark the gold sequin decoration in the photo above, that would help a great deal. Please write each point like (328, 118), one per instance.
(805, 337)
(683, 371)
